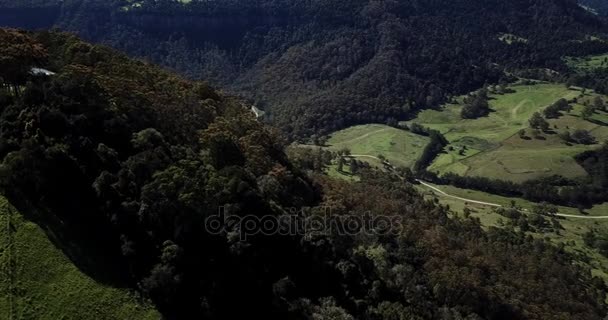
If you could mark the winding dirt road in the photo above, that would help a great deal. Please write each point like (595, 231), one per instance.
(498, 205)
(495, 205)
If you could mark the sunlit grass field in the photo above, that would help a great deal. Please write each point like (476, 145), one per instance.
(44, 283)
(400, 147)
(493, 146)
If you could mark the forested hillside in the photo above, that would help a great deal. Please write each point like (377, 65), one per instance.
(318, 66)
(126, 162)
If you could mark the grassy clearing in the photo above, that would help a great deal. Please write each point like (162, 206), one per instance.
(511, 114)
(520, 159)
(47, 285)
(400, 147)
(588, 63)
(571, 235)
(493, 146)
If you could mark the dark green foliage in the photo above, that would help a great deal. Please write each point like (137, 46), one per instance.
(596, 163)
(476, 105)
(555, 189)
(597, 240)
(538, 122)
(587, 112)
(319, 66)
(582, 136)
(554, 111)
(137, 160)
(435, 146)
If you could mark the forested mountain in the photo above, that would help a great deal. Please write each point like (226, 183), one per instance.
(317, 66)
(134, 160)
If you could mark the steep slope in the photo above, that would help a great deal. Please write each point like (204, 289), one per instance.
(40, 282)
(317, 66)
(136, 158)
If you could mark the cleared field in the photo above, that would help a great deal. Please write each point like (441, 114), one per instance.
(511, 114)
(491, 147)
(589, 62)
(519, 160)
(400, 147)
(45, 284)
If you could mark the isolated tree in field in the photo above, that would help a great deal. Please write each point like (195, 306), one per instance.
(553, 111)
(561, 104)
(587, 112)
(522, 133)
(538, 122)
(566, 136)
(599, 104)
(417, 128)
(583, 137)
(476, 105)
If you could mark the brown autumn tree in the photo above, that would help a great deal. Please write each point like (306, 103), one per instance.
(18, 54)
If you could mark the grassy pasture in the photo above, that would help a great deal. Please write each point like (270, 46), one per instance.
(588, 63)
(400, 147)
(45, 284)
(493, 146)
(511, 113)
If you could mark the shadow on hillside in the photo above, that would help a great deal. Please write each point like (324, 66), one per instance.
(84, 244)
(598, 122)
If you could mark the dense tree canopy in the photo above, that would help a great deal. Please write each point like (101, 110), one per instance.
(18, 54)
(135, 160)
(318, 66)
